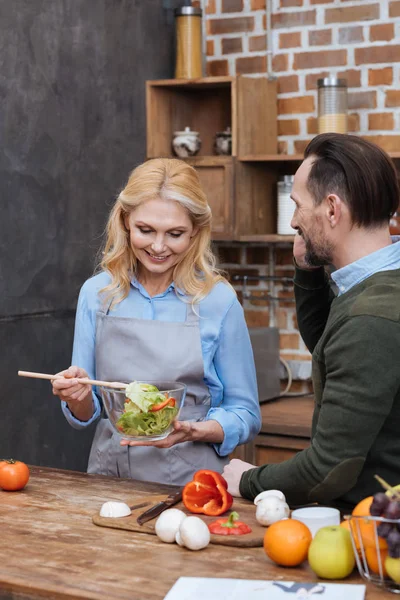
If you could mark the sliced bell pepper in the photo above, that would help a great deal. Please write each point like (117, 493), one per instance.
(230, 526)
(167, 402)
(207, 494)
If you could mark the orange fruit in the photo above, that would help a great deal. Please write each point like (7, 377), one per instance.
(346, 525)
(366, 527)
(286, 542)
(373, 562)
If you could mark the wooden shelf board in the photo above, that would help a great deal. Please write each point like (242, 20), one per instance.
(209, 82)
(271, 157)
(286, 157)
(271, 238)
(210, 159)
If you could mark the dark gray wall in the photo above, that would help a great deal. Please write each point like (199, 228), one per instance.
(72, 126)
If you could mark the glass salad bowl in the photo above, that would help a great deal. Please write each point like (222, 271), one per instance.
(145, 409)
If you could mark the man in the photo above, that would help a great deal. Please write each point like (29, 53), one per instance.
(345, 192)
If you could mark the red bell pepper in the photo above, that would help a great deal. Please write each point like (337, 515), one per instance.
(230, 526)
(167, 402)
(207, 494)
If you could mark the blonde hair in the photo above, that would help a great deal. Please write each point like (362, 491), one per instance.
(171, 180)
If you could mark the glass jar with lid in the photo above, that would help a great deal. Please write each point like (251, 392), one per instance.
(285, 205)
(189, 58)
(332, 105)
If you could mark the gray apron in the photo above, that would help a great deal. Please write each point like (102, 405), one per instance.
(129, 349)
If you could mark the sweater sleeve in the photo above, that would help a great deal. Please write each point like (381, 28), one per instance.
(362, 380)
(313, 296)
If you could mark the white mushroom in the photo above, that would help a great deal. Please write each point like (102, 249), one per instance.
(193, 534)
(178, 539)
(115, 509)
(168, 524)
(276, 493)
(271, 509)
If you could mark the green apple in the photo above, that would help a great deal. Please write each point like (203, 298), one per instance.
(392, 566)
(330, 554)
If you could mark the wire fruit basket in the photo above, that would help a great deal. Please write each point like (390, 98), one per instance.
(370, 549)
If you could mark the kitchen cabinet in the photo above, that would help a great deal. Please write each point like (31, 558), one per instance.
(285, 430)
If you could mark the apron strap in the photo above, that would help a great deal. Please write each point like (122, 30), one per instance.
(192, 317)
(104, 307)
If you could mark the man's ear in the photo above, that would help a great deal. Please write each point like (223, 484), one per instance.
(334, 209)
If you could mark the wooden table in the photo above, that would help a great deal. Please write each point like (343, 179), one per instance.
(51, 549)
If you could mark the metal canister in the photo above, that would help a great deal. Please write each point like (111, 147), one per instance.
(332, 105)
(189, 62)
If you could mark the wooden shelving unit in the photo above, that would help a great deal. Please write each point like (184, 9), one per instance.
(242, 195)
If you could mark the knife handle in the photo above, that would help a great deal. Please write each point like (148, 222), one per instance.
(154, 511)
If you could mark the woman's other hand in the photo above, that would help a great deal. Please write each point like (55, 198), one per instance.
(77, 395)
(186, 431)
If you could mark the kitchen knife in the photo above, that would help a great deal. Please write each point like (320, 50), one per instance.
(157, 509)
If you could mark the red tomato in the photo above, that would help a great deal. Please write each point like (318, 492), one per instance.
(14, 475)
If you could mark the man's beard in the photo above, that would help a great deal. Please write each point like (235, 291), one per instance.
(318, 254)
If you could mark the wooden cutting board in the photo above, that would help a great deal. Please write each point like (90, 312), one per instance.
(245, 508)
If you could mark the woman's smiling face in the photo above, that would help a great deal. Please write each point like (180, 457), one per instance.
(160, 233)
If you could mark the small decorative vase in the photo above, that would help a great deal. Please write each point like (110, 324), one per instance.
(186, 143)
(223, 142)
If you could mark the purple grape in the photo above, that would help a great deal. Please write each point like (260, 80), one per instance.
(379, 504)
(384, 529)
(392, 511)
(394, 551)
(393, 539)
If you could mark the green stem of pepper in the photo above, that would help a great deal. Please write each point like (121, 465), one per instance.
(230, 523)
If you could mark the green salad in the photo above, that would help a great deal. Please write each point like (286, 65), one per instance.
(147, 411)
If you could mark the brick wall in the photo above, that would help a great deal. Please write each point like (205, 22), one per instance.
(357, 39)
(265, 303)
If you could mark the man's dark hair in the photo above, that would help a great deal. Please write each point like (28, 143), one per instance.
(360, 172)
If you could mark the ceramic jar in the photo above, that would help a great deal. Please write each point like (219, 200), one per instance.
(186, 143)
(223, 142)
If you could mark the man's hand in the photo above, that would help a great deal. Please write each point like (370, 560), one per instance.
(299, 253)
(233, 473)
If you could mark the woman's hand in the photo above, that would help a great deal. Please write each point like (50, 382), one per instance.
(186, 431)
(77, 395)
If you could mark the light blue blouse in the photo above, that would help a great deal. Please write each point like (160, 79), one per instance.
(229, 370)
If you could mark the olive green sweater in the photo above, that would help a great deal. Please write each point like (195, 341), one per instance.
(355, 345)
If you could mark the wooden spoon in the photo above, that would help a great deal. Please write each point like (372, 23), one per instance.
(112, 384)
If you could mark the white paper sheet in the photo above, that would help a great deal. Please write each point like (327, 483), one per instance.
(199, 588)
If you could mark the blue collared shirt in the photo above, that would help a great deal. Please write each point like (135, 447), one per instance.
(229, 370)
(385, 259)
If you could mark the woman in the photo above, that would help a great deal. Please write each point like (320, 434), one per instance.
(159, 309)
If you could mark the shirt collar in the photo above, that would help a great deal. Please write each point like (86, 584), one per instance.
(384, 259)
(136, 284)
